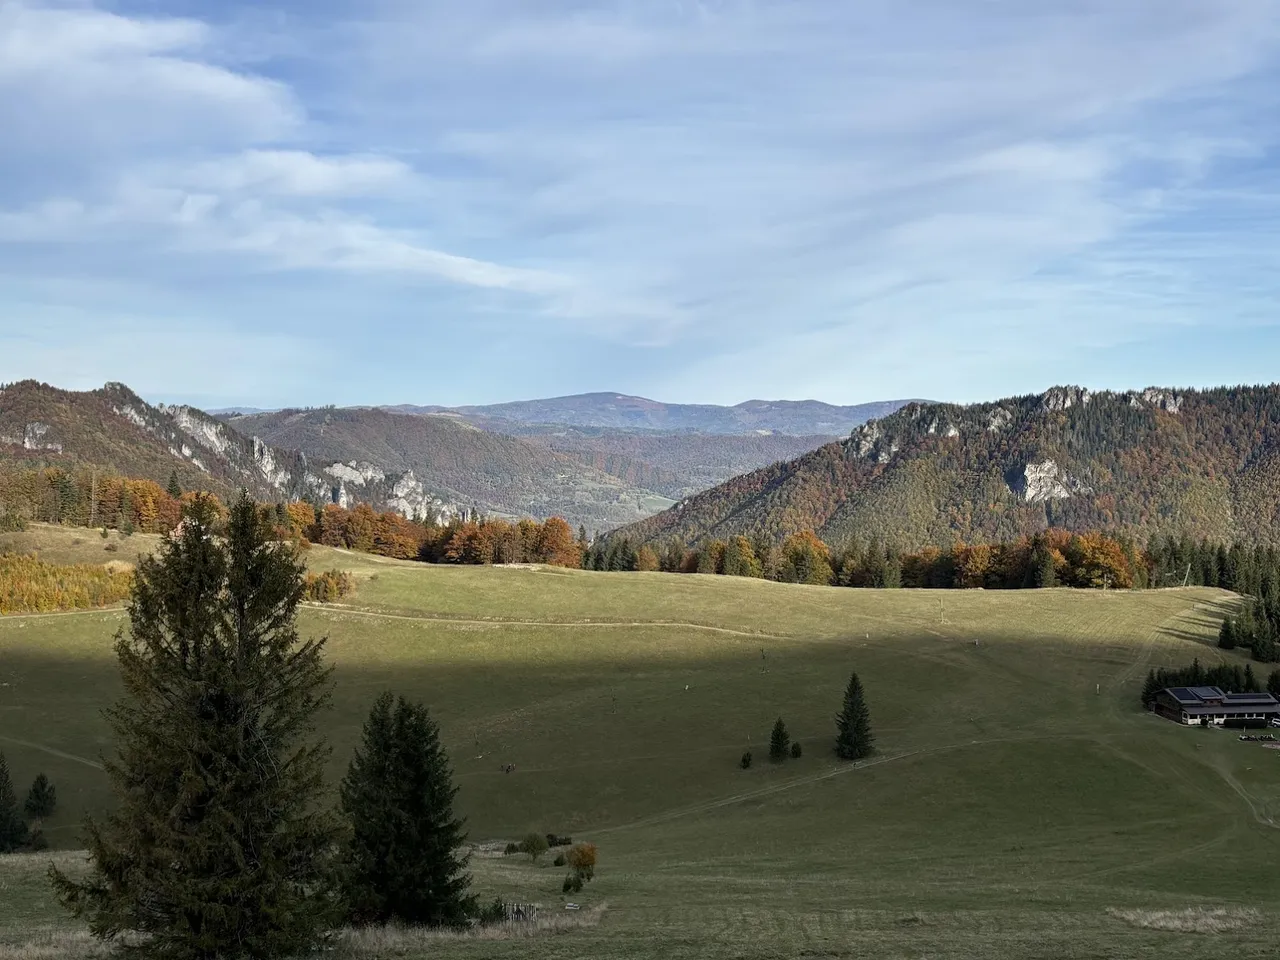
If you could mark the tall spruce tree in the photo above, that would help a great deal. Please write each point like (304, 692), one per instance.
(404, 859)
(218, 846)
(853, 725)
(13, 831)
(175, 488)
(779, 741)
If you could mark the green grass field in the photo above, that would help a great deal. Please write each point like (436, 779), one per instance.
(1021, 803)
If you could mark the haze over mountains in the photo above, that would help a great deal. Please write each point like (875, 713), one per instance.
(1198, 463)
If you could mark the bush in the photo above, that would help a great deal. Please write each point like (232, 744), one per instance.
(36, 840)
(112, 548)
(491, 913)
(510, 849)
(559, 861)
(535, 845)
(554, 840)
(795, 750)
(11, 522)
(745, 762)
(103, 533)
(328, 586)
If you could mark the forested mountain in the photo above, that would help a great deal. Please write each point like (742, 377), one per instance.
(673, 464)
(616, 411)
(489, 472)
(1201, 463)
(116, 430)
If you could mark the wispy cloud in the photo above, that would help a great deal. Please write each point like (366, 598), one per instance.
(705, 199)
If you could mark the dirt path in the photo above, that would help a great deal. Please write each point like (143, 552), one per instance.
(514, 622)
(51, 751)
(61, 613)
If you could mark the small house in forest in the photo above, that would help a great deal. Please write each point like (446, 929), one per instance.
(1209, 706)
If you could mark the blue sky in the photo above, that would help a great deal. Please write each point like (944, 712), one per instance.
(449, 202)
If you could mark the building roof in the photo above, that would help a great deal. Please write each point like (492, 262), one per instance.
(1198, 701)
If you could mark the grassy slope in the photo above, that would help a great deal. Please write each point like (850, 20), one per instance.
(1017, 796)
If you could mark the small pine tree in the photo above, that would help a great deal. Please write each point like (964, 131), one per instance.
(745, 762)
(853, 725)
(174, 489)
(13, 831)
(404, 861)
(779, 741)
(218, 845)
(796, 750)
(42, 799)
(1227, 635)
(1250, 680)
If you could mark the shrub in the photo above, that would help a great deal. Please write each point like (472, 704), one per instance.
(745, 762)
(535, 845)
(328, 586)
(112, 548)
(510, 849)
(559, 860)
(795, 750)
(554, 840)
(493, 912)
(11, 522)
(103, 533)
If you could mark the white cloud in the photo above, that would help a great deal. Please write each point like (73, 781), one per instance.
(297, 173)
(755, 190)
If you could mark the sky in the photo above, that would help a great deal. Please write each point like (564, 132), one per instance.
(384, 201)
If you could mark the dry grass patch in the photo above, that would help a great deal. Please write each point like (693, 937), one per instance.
(1190, 919)
(53, 944)
(393, 941)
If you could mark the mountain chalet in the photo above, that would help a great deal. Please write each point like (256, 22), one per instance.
(1209, 706)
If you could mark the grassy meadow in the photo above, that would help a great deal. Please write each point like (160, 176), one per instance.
(1021, 803)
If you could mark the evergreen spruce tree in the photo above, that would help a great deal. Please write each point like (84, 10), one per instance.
(13, 831)
(1227, 635)
(1273, 683)
(1046, 574)
(42, 799)
(853, 725)
(1150, 688)
(217, 847)
(404, 861)
(1250, 682)
(174, 489)
(779, 742)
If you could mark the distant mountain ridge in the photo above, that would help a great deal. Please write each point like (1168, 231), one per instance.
(1204, 463)
(481, 470)
(619, 411)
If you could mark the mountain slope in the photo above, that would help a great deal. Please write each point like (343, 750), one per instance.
(463, 464)
(115, 429)
(1204, 463)
(617, 411)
